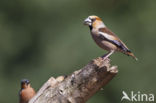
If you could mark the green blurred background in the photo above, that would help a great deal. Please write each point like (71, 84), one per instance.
(44, 38)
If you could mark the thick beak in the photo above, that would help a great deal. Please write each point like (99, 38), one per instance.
(87, 21)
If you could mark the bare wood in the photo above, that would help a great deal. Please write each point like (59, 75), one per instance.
(79, 86)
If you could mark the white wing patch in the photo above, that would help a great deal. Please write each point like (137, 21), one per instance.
(113, 40)
(107, 36)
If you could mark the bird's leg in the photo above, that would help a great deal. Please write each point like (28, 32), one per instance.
(107, 55)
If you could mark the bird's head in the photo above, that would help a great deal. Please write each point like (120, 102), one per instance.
(94, 22)
(25, 83)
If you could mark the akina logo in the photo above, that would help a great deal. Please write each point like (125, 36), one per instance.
(137, 96)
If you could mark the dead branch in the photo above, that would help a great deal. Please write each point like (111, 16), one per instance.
(79, 86)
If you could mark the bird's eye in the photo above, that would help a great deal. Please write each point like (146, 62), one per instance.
(93, 19)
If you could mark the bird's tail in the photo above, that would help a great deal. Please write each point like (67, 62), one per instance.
(132, 55)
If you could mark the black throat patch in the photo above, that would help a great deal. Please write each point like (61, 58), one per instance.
(90, 27)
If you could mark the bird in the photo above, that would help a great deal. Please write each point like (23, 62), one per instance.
(105, 38)
(26, 91)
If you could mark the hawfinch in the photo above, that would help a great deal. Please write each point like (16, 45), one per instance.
(26, 92)
(106, 39)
